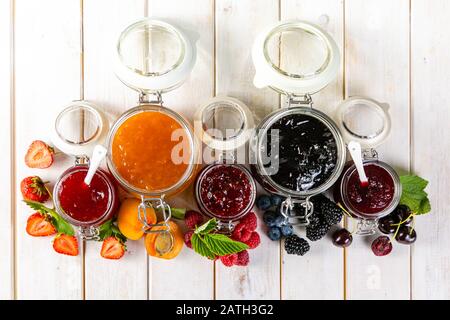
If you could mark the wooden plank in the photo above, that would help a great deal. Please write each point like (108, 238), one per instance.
(237, 24)
(189, 276)
(127, 277)
(431, 145)
(323, 259)
(6, 170)
(377, 65)
(47, 72)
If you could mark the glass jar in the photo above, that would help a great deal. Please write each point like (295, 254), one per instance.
(367, 122)
(225, 189)
(297, 151)
(152, 150)
(78, 128)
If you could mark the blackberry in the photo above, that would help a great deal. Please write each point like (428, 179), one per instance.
(314, 220)
(317, 232)
(296, 245)
(329, 210)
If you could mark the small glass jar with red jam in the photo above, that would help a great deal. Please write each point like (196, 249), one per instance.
(297, 151)
(225, 189)
(78, 128)
(367, 122)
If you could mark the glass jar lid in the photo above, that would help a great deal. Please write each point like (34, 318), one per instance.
(295, 57)
(78, 128)
(153, 56)
(363, 120)
(223, 123)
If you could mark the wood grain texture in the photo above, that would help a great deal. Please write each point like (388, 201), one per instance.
(430, 67)
(377, 66)
(234, 77)
(188, 276)
(6, 166)
(47, 77)
(127, 277)
(323, 259)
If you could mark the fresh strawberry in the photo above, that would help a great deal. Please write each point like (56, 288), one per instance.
(193, 219)
(39, 155)
(253, 241)
(33, 188)
(229, 260)
(250, 221)
(66, 244)
(39, 226)
(112, 248)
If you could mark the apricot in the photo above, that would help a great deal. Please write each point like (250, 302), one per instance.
(157, 243)
(128, 220)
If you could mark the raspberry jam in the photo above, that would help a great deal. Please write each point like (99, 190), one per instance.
(307, 152)
(86, 204)
(225, 191)
(374, 198)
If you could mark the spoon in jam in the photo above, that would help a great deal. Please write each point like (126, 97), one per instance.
(98, 155)
(355, 151)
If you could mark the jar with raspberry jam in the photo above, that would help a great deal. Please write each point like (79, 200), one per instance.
(78, 128)
(225, 189)
(297, 151)
(367, 122)
(152, 150)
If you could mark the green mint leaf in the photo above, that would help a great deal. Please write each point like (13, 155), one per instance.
(414, 195)
(178, 213)
(207, 227)
(105, 230)
(222, 245)
(200, 247)
(61, 225)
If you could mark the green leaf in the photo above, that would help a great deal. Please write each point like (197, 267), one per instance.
(222, 245)
(200, 247)
(178, 213)
(61, 225)
(109, 229)
(207, 227)
(414, 195)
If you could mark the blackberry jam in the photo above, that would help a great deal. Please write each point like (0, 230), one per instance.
(224, 191)
(307, 152)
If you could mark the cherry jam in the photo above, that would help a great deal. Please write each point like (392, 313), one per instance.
(85, 203)
(307, 152)
(225, 191)
(374, 198)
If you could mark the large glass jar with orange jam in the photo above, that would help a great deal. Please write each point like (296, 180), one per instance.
(152, 150)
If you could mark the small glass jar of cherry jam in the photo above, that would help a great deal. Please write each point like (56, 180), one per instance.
(367, 122)
(225, 189)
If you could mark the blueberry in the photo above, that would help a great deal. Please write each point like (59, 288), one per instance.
(275, 200)
(263, 202)
(274, 233)
(287, 230)
(269, 218)
(280, 221)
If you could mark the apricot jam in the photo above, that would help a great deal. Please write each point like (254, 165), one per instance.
(146, 155)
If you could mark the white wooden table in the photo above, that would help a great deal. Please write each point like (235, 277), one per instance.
(396, 51)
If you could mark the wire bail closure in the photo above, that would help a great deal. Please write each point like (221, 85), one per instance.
(89, 233)
(160, 205)
(294, 100)
(151, 98)
(294, 218)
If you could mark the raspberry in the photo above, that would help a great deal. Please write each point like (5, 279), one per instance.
(381, 246)
(229, 260)
(241, 233)
(250, 221)
(242, 258)
(187, 238)
(193, 219)
(254, 240)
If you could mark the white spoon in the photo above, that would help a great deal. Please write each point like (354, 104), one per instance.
(98, 155)
(355, 151)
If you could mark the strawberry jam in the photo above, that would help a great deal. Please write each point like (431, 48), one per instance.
(86, 203)
(374, 198)
(225, 191)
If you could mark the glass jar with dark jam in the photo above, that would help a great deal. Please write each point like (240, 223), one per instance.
(225, 189)
(367, 122)
(297, 151)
